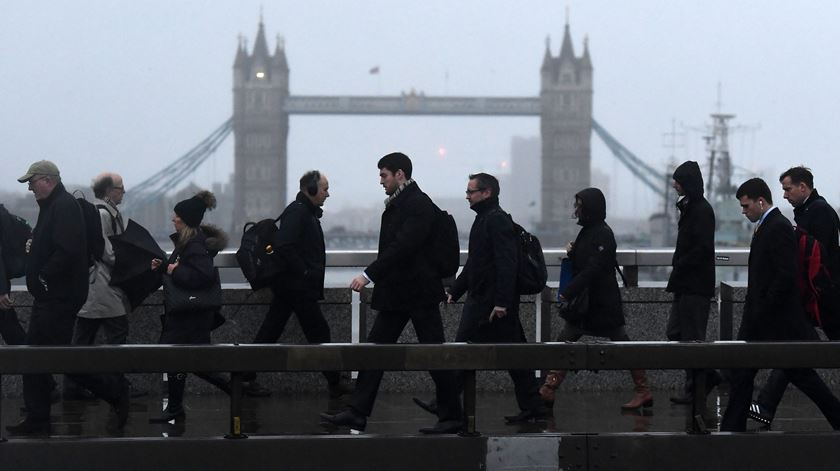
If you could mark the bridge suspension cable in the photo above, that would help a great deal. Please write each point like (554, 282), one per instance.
(652, 178)
(167, 178)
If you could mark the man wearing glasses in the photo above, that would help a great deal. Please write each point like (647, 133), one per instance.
(106, 306)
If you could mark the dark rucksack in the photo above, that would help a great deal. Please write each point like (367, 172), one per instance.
(256, 255)
(93, 230)
(446, 248)
(531, 274)
(813, 277)
(15, 232)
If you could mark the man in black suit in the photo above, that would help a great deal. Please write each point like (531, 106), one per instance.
(406, 288)
(813, 214)
(773, 311)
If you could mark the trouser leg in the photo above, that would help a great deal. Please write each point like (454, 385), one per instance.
(10, 328)
(810, 383)
(740, 395)
(49, 324)
(315, 329)
(387, 328)
(774, 389)
(429, 328)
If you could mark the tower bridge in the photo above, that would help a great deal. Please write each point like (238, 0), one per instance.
(263, 102)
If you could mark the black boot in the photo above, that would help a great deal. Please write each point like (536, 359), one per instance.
(175, 405)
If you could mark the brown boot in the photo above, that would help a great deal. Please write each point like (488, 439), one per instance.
(642, 396)
(552, 381)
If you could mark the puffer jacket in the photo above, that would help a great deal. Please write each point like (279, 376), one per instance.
(195, 258)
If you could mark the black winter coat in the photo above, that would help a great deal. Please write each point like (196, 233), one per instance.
(694, 256)
(593, 265)
(773, 310)
(819, 219)
(195, 258)
(402, 272)
(299, 243)
(489, 275)
(57, 269)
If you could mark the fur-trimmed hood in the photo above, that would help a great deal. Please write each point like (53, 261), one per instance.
(217, 239)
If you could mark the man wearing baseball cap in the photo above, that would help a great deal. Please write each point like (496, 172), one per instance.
(57, 279)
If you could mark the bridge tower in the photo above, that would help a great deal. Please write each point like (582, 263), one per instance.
(260, 129)
(566, 129)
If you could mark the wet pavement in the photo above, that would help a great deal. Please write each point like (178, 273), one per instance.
(395, 414)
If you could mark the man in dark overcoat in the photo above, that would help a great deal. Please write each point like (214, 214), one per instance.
(773, 310)
(406, 288)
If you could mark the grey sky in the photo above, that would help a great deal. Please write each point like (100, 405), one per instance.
(130, 86)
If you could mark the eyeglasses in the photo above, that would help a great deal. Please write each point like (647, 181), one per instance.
(470, 192)
(121, 188)
(33, 181)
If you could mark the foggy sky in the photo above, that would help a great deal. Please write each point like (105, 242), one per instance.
(130, 86)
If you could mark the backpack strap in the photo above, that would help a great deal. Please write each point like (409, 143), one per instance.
(113, 219)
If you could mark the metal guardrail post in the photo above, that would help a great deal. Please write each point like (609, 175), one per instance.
(545, 315)
(2, 438)
(236, 407)
(631, 274)
(362, 325)
(726, 308)
(469, 404)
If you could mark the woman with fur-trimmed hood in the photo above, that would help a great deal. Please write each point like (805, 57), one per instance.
(191, 267)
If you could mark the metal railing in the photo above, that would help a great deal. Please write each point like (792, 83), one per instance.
(238, 359)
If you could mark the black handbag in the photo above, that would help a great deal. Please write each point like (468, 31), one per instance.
(575, 310)
(177, 299)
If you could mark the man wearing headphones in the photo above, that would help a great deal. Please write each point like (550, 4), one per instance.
(299, 247)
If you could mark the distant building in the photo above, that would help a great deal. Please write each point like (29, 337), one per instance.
(520, 192)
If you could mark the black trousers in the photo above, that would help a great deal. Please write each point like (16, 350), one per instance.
(191, 328)
(309, 316)
(806, 379)
(687, 322)
(52, 324)
(774, 389)
(387, 329)
(10, 328)
(114, 328)
(475, 327)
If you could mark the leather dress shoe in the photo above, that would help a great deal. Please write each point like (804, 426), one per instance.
(443, 426)
(30, 427)
(430, 406)
(528, 415)
(347, 418)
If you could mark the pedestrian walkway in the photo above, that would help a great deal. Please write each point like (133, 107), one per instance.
(396, 414)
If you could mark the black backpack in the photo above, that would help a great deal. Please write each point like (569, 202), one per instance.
(15, 232)
(93, 230)
(446, 249)
(814, 280)
(256, 255)
(531, 274)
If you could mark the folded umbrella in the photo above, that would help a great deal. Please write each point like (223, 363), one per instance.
(134, 251)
